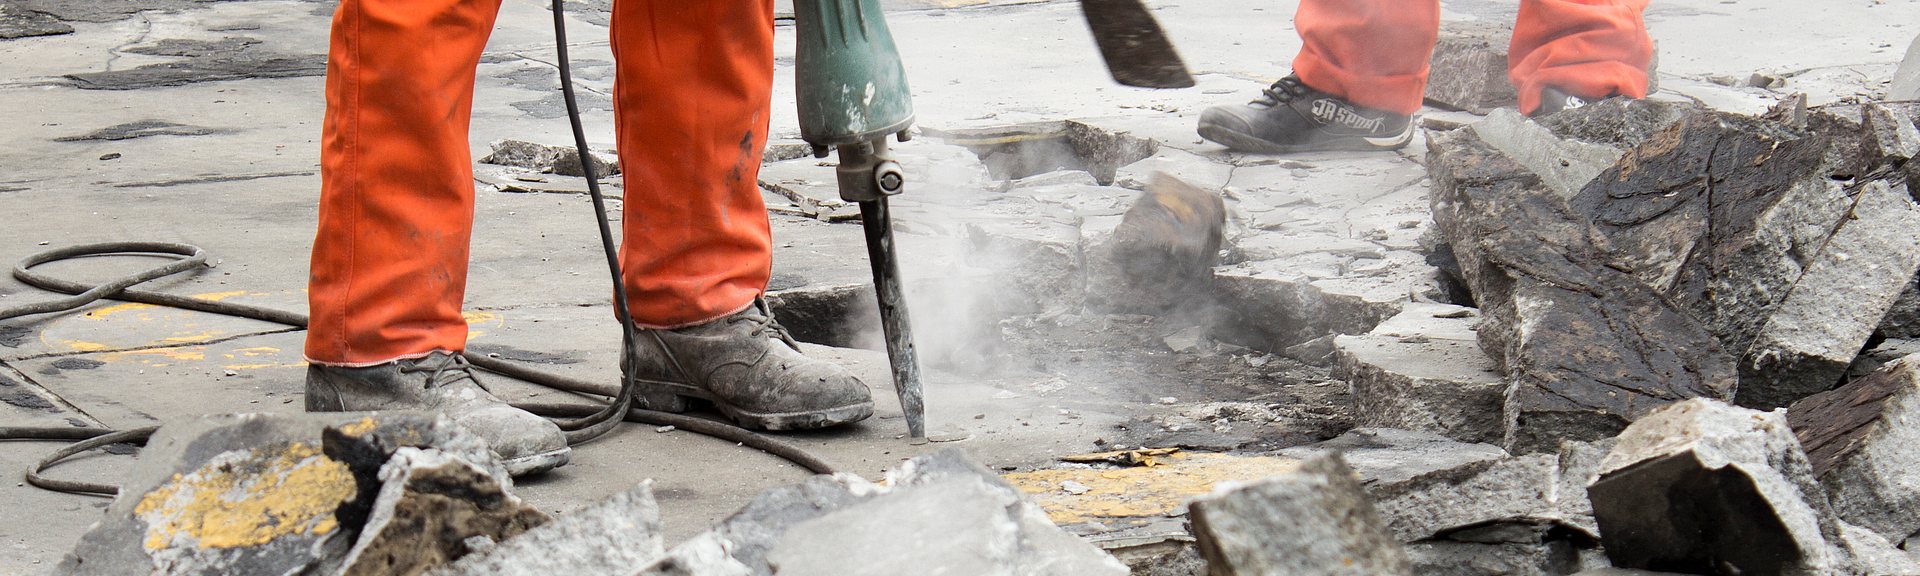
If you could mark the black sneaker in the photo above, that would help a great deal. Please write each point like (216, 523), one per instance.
(1292, 117)
(1553, 100)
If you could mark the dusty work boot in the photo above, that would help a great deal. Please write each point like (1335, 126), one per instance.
(1553, 100)
(1292, 117)
(749, 368)
(443, 382)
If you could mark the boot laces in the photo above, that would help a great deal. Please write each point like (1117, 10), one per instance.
(1285, 90)
(761, 316)
(446, 369)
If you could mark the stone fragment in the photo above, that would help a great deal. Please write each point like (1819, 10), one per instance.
(1161, 255)
(1565, 165)
(1423, 370)
(562, 160)
(1859, 441)
(258, 493)
(1318, 351)
(941, 513)
(1316, 520)
(1520, 550)
(1875, 555)
(429, 504)
(1903, 316)
(1273, 309)
(1778, 250)
(1426, 486)
(1906, 78)
(1622, 123)
(1586, 348)
(1893, 133)
(20, 22)
(1468, 68)
(1702, 487)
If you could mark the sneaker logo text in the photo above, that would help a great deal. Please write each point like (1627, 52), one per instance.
(1329, 111)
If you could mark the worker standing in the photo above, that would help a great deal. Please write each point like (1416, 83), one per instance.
(692, 96)
(1359, 76)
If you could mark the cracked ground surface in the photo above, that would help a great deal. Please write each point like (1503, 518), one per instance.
(198, 122)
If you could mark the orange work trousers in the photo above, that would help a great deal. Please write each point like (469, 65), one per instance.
(692, 93)
(1374, 52)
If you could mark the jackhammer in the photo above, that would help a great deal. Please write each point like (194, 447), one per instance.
(852, 93)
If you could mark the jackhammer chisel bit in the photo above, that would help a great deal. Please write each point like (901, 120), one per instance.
(853, 94)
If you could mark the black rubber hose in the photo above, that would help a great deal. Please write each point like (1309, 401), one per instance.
(194, 256)
(33, 472)
(598, 423)
(700, 426)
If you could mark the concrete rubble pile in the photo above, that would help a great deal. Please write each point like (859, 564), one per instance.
(1648, 277)
(366, 494)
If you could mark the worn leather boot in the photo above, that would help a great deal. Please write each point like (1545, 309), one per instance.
(749, 368)
(443, 382)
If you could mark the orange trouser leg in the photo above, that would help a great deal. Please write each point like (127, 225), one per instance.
(1586, 48)
(1371, 52)
(389, 265)
(692, 93)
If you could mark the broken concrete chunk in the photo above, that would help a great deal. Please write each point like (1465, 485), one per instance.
(1776, 249)
(1859, 441)
(1162, 253)
(1841, 297)
(1621, 123)
(1423, 370)
(1468, 68)
(1564, 165)
(1893, 133)
(430, 503)
(1449, 557)
(1906, 79)
(562, 160)
(1903, 316)
(256, 493)
(1585, 347)
(1702, 487)
(1875, 555)
(1316, 520)
(1426, 486)
(939, 513)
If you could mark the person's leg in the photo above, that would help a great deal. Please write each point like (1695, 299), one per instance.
(1588, 49)
(389, 265)
(1371, 52)
(1355, 85)
(692, 98)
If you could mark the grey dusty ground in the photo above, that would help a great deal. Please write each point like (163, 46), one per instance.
(218, 148)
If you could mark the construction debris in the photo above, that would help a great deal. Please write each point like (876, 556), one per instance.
(562, 160)
(940, 513)
(1618, 349)
(1702, 487)
(1859, 441)
(1423, 370)
(1787, 249)
(1313, 521)
(608, 538)
(1161, 255)
(429, 505)
(276, 494)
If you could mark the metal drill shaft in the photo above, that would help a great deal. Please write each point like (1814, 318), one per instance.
(893, 314)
